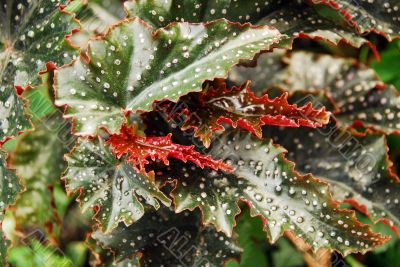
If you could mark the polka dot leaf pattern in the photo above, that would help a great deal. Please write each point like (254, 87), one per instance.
(356, 165)
(112, 187)
(9, 187)
(164, 238)
(381, 16)
(238, 106)
(34, 36)
(161, 13)
(31, 34)
(267, 182)
(290, 17)
(13, 118)
(138, 149)
(105, 257)
(134, 65)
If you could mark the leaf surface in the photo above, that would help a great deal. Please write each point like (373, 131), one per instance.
(266, 181)
(138, 149)
(113, 187)
(238, 106)
(4, 245)
(294, 19)
(356, 165)
(357, 93)
(95, 16)
(31, 34)
(13, 118)
(369, 16)
(39, 162)
(36, 254)
(9, 183)
(9, 188)
(135, 65)
(165, 238)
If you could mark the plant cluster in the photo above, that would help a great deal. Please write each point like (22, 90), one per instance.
(166, 119)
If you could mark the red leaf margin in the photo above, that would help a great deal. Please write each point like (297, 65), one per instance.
(393, 175)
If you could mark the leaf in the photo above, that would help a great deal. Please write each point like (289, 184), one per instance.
(31, 34)
(105, 258)
(295, 20)
(263, 73)
(138, 149)
(113, 187)
(40, 103)
(9, 187)
(387, 67)
(36, 254)
(4, 245)
(134, 65)
(238, 106)
(358, 95)
(164, 238)
(13, 119)
(256, 249)
(266, 181)
(39, 163)
(95, 16)
(356, 165)
(369, 16)
(161, 13)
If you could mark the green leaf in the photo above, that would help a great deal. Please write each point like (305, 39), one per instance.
(40, 100)
(263, 74)
(4, 245)
(36, 254)
(357, 93)
(257, 251)
(379, 16)
(95, 16)
(39, 162)
(135, 65)
(9, 187)
(77, 252)
(161, 13)
(389, 64)
(294, 19)
(266, 181)
(13, 118)
(112, 187)
(164, 238)
(105, 258)
(31, 34)
(356, 165)
(9, 182)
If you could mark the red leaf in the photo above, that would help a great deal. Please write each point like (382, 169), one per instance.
(239, 106)
(139, 149)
